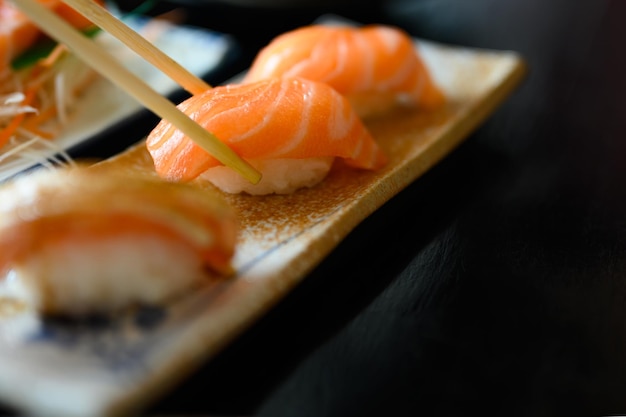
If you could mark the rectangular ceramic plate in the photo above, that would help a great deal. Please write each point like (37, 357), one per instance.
(103, 105)
(118, 366)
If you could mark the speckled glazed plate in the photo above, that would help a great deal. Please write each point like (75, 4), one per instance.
(102, 105)
(117, 366)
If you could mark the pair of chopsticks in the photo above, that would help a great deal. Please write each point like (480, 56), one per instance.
(100, 60)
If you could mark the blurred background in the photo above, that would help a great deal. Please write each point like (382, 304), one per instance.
(493, 285)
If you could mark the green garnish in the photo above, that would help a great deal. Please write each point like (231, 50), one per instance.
(143, 8)
(33, 54)
(41, 50)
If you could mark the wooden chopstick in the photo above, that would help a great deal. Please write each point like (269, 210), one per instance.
(100, 60)
(105, 20)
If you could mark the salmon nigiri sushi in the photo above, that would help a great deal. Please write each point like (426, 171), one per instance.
(291, 130)
(375, 66)
(75, 242)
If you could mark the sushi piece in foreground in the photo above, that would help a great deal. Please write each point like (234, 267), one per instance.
(76, 242)
(376, 66)
(289, 129)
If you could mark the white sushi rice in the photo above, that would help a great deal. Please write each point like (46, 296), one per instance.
(280, 176)
(105, 275)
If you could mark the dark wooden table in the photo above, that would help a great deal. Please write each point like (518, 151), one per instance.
(496, 283)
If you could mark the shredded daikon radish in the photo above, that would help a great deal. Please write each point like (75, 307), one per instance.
(35, 104)
(34, 150)
(60, 98)
(13, 98)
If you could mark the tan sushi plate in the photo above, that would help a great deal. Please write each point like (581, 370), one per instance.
(282, 239)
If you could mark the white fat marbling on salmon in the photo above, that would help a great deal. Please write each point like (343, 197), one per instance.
(390, 38)
(268, 115)
(402, 73)
(369, 65)
(366, 77)
(339, 125)
(303, 128)
(340, 57)
(303, 66)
